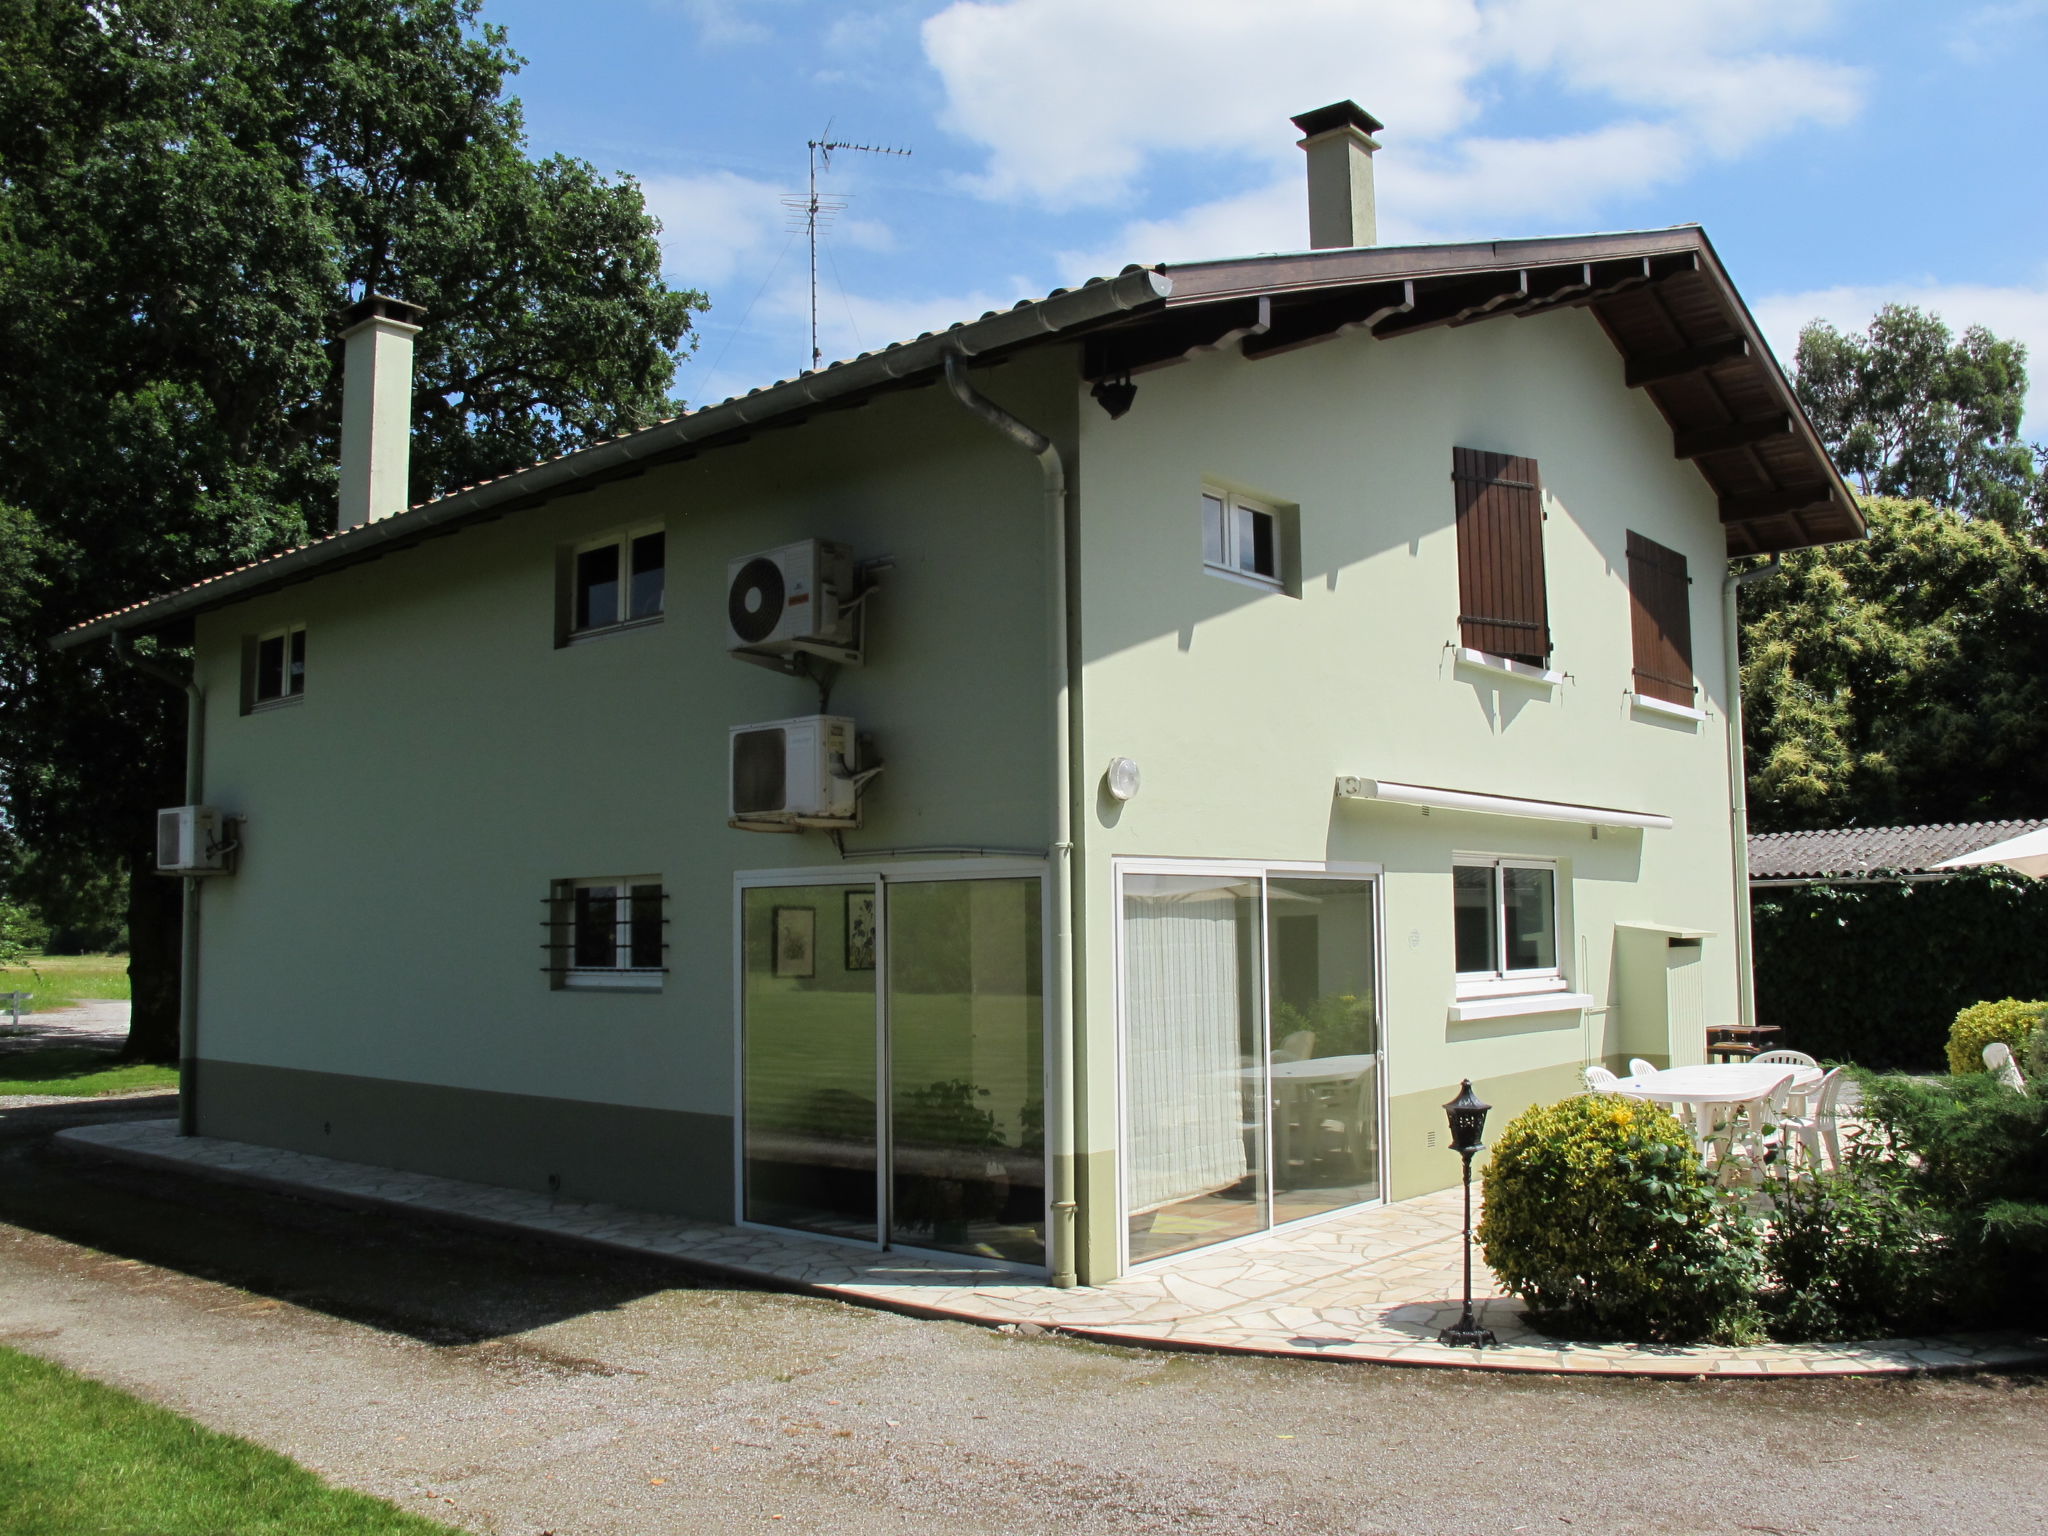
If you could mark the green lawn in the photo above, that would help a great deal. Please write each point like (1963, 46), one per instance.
(81, 1459)
(76, 1072)
(57, 980)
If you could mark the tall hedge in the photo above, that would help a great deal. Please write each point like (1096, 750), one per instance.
(1874, 972)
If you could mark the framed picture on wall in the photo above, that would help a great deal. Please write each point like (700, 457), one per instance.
(860, 930)
(796, 941)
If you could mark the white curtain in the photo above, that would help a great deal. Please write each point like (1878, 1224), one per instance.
(1183, 1071)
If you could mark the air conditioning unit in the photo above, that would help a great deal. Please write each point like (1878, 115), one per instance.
(790, 774)
(791, 602)
(192, 840)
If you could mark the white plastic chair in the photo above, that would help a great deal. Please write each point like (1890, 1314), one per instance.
(1998, 1057)
(1637, 1067)
(1819, 1128)
(1783, 1058)
(1600, 1080)
(1743, 1142)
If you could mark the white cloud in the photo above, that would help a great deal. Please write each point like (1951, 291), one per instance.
(1073, 100)
(2013, 313)
(724, 23)
(1071, 96)
(715, 227)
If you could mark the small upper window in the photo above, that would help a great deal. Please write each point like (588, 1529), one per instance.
(1505, 918)
(1242, 537)
(276, 666)
(607, 932)
(617, 580)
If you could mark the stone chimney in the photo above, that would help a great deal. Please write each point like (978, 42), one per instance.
(1339, 142)
(376, 408)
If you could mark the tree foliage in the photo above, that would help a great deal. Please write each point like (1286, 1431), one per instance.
(1901, 679)
(191, 191)
(1909, 410)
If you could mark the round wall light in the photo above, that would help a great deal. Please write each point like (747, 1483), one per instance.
(1122, 778)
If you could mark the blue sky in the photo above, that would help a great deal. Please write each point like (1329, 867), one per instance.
(1841, 153)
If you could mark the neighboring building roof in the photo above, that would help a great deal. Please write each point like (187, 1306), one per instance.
(1849, 851)
(1683, 332)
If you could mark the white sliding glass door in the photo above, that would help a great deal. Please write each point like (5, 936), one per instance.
(892, 1062)
(1251, 1053)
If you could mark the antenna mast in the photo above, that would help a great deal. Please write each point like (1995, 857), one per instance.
(817, 212)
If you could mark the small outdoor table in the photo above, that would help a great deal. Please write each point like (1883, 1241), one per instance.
(1716, 1083)
(1712, 1085)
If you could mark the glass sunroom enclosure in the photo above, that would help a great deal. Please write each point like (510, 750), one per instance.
(1251, 1051)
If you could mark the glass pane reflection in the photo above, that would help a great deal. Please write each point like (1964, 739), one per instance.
(809, 1065)
(1324, 1059)
(966, 1055)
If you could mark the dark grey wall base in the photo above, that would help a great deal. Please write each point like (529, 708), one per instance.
(652, 1159)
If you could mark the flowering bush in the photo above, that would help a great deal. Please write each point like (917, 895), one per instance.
(1600, 1217)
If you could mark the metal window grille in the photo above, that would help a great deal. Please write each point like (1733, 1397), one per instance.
(638, 922)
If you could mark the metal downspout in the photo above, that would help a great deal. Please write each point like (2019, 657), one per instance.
(1061, 1130)
(1738, 787)
(188, 930)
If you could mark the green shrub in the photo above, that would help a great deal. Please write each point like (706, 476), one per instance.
(1977, 1026)
(1973, 1154)
(1852, 1256)
(1599, 1216)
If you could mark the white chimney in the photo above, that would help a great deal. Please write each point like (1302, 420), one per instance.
(1339, 141)
(376, 408)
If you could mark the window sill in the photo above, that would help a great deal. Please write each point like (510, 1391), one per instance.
(1501, 666)
(1247, 578)
(578, 637)
(612, 981)
(1467, 1009)
(1650, 706)
(264, 706)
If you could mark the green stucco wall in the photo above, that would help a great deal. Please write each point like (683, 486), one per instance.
(402, 823)
(1242, 705)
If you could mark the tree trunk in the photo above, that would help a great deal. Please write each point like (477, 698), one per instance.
(155, 926)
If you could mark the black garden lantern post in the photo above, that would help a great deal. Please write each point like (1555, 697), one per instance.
(1467, 1114)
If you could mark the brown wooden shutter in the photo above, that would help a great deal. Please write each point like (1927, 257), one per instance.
(1501, 602)
(1660, 604)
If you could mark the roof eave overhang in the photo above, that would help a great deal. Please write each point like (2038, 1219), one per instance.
(1684, 334)
(1683, 331)
(782, 404)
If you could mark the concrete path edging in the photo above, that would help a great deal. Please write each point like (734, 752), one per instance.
(1371, 1287)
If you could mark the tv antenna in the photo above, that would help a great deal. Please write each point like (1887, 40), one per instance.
(817, 212)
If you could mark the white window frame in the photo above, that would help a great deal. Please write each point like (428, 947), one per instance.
(621, 540)
(623, 975)
(1233, 503)
(1504, 982)
(282, 632)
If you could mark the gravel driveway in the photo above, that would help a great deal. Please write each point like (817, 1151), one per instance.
(514, 1388)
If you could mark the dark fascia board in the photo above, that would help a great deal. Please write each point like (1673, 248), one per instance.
(1299, 271)
(785, 403)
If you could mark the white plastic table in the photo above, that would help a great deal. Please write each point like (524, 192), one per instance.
(1717, 1083)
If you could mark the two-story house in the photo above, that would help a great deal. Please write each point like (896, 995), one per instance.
(1075, 788)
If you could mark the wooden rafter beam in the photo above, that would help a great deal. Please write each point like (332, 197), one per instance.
(1457, 301)
(1694, 441)
(1172, 337)
(1332, 314)
(1785, 503)
(1672, 365)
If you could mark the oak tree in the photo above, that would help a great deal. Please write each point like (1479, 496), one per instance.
(191, 193)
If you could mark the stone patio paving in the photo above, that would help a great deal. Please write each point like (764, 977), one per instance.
(1373, 1286)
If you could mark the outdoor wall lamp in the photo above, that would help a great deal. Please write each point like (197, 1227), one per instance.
(1467, 1114)
(1115, 395)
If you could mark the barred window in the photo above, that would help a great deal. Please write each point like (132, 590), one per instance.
(608, 931)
